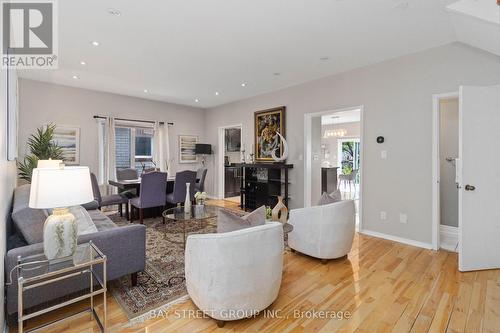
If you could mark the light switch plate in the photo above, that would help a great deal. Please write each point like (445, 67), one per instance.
(403, 218)
(383, 216)
(383, 154)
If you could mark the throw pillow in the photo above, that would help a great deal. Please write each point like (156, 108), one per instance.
(327, 199)
(83, 220)
(228, 221)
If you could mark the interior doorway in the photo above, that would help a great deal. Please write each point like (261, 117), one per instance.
(229, 176)
(333, 155)
(446, 173)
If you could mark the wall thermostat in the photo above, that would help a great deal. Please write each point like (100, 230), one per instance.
(380, 139)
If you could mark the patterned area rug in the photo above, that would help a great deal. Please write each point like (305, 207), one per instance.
(162, 284)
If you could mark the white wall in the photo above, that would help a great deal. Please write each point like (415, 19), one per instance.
(448, 147)
(316, 135)
(43, 103)
(397, 99)
(7, 184)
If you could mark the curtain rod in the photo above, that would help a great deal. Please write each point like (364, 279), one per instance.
(136, 120)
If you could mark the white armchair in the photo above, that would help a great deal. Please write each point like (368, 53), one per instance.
(233, 275)
(324, 232)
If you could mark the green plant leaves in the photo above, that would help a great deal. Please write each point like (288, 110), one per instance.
(41, 147)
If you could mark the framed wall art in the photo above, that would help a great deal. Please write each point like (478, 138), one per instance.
(267, 124)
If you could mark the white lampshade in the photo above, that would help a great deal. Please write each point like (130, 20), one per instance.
(54, 164)
(61, 187)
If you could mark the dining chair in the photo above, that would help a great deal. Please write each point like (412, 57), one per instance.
(127, 174)
(179, 193)
(108, 200)
(153, 194)
(349, 179)
(201, 174)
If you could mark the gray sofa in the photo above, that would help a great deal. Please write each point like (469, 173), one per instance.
(125, 248)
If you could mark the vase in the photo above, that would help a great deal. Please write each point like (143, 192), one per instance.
(280, 212)
(60, 234)
(187, 202)
(199, 210)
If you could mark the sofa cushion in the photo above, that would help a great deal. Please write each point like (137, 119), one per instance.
(101, 221)
(28, 221)
(327, 199)
(228, 221)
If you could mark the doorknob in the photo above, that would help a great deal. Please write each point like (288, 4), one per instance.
(470, 188)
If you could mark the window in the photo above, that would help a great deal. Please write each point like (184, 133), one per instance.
(134, 147)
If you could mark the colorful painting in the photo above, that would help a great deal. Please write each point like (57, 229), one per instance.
(267, 124)
(187, 152)
(68, 138)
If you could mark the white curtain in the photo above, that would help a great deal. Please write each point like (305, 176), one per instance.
(110, 151)
(161, 147)
(101, 135)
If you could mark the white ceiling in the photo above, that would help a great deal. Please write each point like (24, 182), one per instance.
(341, 117)
(477, 23)
(180, 50)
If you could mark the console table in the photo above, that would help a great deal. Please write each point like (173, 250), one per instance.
(262, 183)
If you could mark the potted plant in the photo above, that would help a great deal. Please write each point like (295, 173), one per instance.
(41, 147)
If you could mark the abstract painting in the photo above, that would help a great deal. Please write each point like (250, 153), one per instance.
(267, 124)
(187, 152)
(68, 138)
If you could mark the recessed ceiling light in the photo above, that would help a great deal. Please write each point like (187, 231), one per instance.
(243, 84)
(95, 43)
(114, 11)
(146, 91)
(277, 74)
(216, 93)
(75, 77)
(196, 100)
(83, 63)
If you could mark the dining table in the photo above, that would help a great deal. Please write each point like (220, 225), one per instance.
(129, 184)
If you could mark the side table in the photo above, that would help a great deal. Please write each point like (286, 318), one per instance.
(36, 271)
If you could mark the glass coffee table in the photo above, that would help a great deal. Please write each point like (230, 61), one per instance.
(196, 215)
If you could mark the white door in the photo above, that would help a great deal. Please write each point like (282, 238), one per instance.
(479, 194)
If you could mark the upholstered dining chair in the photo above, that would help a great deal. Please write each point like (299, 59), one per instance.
(127, 174)
(179, 193)
(107, 200)
(201, 174)
(153, 194)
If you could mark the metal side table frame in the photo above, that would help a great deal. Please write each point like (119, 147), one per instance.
(71, 267)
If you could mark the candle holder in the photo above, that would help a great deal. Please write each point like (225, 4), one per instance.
(243, 156)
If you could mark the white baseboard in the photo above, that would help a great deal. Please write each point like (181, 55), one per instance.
(448, 238)
(396, 239)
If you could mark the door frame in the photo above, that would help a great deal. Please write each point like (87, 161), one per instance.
(436, 163)
(308, 155)
(220, 157)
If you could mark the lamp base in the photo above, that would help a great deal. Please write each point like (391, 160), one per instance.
(60, 234)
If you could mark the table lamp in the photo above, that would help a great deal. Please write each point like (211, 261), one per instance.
(59, 188)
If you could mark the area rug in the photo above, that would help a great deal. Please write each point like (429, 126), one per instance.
(162, 284)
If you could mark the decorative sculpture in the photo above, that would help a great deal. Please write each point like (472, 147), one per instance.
(284, 156)
(280, 212)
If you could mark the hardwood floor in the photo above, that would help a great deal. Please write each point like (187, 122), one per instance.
(385, 286)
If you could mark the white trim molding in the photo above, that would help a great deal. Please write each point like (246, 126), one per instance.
(406, 241)
(448, 238)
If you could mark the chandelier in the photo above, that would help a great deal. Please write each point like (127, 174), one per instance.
(334, 133)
